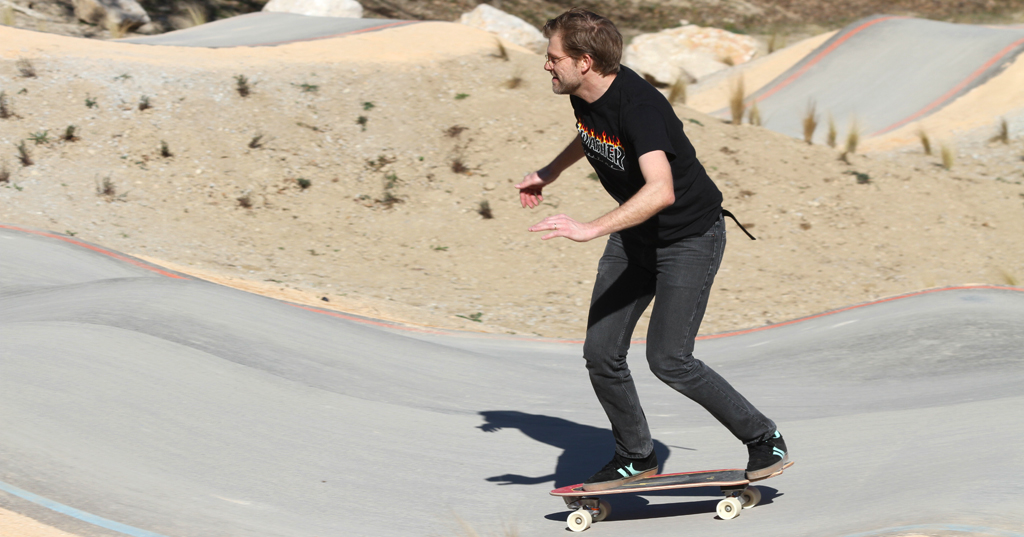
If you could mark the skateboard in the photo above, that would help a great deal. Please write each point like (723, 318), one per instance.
(589, 508)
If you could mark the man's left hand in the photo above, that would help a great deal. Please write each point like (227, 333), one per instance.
(561, 225)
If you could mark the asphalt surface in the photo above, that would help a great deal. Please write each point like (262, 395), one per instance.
(265, 29)
(162, 405)
(885, 72)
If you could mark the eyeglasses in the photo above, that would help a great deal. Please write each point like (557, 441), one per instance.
(553, 59)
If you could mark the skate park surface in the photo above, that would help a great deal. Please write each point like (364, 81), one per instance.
(139, 401)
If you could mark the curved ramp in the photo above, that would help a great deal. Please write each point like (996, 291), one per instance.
(265, 29)
(143, 402)
(885, 72)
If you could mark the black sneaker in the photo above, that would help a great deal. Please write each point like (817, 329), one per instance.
(622, 470)
(767, 457)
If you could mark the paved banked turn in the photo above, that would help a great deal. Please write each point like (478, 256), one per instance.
(885, 72)
(151, 403)
(265, 29)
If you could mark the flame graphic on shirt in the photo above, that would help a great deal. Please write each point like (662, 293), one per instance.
(607, 148)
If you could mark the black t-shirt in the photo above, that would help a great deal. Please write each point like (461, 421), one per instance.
(629, 120)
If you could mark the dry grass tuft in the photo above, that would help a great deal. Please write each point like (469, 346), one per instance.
(485, 210)
(926, 142)
(26, 69)
(832, 133)
(948, 159)
(736, 104)
(853, 136)
(5, 109)
(515, 81)
(23, 155)
(754, 116)
(5, 174)
(678, 92)
(106, 188)
(1004, 132)
(118, 30)
(810, 121)
(454, 131)
(196, 13)
(7, 16)
(502, 53)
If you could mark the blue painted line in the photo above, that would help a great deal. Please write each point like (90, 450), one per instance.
(76, 513)
(976, 530)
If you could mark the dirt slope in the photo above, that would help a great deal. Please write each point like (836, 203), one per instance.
(830, 233)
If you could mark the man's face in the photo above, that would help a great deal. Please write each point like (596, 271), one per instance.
(565, 75)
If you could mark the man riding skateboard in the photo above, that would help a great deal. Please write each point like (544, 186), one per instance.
(666, 239)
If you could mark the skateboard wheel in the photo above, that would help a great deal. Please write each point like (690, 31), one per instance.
(750, 497)
(603, 510)
(729, 508)
(579, 520)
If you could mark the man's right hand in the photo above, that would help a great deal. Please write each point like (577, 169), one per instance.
(530, 188)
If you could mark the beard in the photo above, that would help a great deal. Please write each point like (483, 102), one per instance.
(561, 86)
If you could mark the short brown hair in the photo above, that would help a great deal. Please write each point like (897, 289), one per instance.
(587, 33)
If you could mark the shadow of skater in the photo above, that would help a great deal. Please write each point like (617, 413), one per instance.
(585, 449)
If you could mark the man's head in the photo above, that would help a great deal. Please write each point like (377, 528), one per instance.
(583, 33)
(580, 44)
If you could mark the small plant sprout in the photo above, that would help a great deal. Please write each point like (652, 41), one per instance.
(41, 137)
(1003, 135)
(106, 188)
(26, 69)
(367, 106)
(390, 181)
(165, 150)
(677, 94)
(309, 88)
(810, 121)
(502, 53)
(853, 136)
(70, 134)
(832, 131)
(461, 96)
(754, 115)
(736, 104)
(5, 108)
(361, 121)
(303, 183)
(23, 155)
(144, 103)
(242, 85)
(948, 159)
(122, 77)
(256, 142)
(862, 178)
(926, 142)
(475, 317)
(90, 102)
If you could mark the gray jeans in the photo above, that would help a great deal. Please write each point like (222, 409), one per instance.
(629, 276)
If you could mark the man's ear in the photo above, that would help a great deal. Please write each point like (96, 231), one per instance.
(586, 63)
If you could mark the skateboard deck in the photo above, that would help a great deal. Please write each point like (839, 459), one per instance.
(732, 482)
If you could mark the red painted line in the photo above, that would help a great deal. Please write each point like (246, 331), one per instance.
(953, 92)
(97, 249)
(343, 34)
(848, 308)
(818, 57)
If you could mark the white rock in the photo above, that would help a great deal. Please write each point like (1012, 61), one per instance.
(689, 51)
(125, 13)
(508, 27)
(317, 8)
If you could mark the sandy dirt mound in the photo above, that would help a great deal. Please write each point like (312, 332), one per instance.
(399, 136)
